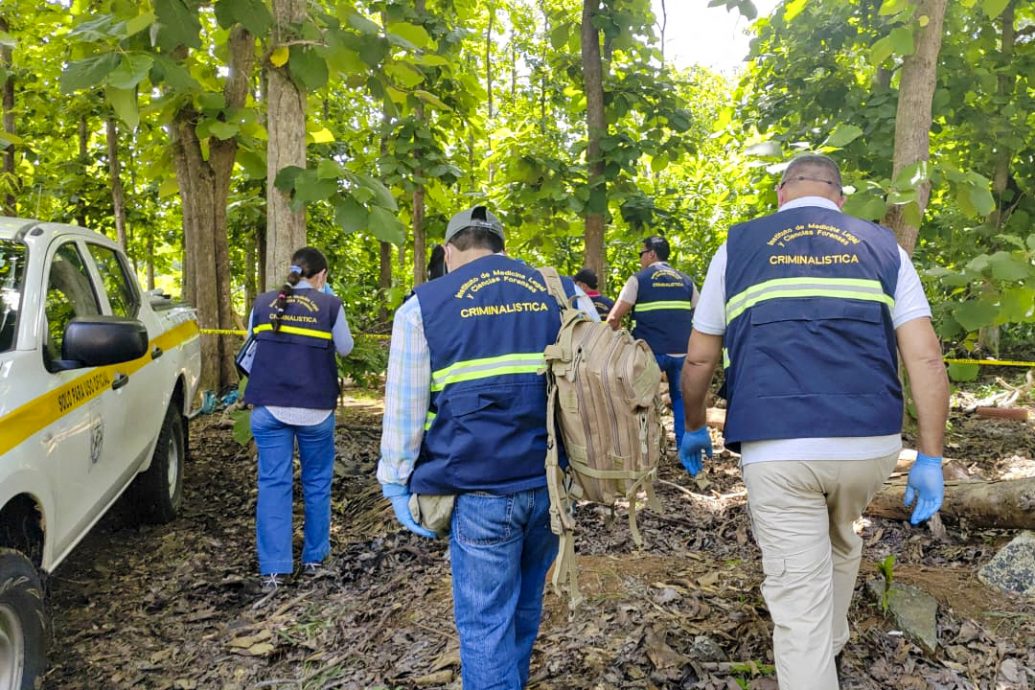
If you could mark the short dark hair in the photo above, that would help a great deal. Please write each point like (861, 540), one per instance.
(586, 276)
(658, 245)
(477, 238)
(815, 164)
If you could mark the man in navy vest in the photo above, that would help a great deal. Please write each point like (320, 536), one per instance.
(586, 280)
(662, 301)
(465, 415)
(813, 307)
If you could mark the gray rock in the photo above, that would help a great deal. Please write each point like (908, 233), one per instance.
(914, 610)
(705, 648)
(1013, 568)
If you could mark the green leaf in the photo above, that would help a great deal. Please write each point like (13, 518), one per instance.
(880, 51)
(889, 7)
(912, 215)
(982, 199)
(415, 35)
(329, 169)
(902, 40)
(251, 14)
(385, 226)
(559, 36)
(866, 206)
(124, 103)
(168, 187)
(363, 25)
(431, 60)
(793, 8)
(309, 188)
(975, 314)
(843, 135)
(177, 25)
(431, 99)
(1031, 241)
(222, 130)
(350, 216)
(381, 193)
(88, 72)
(964, 372)
(242, 432)
(253, 162)
(174, 75)
(286, 176)
(404, 74)
(308, 68)
(139, 23)
(1017, 305)
(131, 71)
(1007, 268)
(994, 8)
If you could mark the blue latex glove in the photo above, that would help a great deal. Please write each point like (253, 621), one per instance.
(927, 485)
(400, 498)
(694, 446)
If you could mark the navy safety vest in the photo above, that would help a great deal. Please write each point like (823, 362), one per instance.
(810, 345)
(487, 324)
(664, 312)
(603, 304)
(295, 367)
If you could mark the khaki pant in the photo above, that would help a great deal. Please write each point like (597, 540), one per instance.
(802, 514)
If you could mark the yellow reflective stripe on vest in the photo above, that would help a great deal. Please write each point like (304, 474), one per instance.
(841, 288)
(428, 420)
(295, 330)
(656, 306)
(725, 358)
(487, 367)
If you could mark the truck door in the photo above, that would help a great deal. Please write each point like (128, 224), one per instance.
(72, 445)
(139, 398)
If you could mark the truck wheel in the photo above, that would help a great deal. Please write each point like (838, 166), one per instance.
(156, 494)
(23, 623)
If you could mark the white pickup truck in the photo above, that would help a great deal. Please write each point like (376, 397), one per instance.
(96, 383)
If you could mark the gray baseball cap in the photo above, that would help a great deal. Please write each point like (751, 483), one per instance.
(474, 217)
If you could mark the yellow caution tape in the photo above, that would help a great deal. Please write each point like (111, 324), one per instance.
(233, 331)
(992, 362)
(222, 331)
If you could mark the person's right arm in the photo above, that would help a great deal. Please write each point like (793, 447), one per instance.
(624, 304)
(928, 383)
(407, 397)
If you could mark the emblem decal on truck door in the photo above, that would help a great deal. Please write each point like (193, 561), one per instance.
(96, 439)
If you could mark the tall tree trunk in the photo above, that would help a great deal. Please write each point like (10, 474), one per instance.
(664, 26)
(913, 117)
(83, 132)
(420, 252)
(285, 122)
(1004, 90)
(118, 199)
(10, 200)
(204, 188)
(488, 56)
(593, 81)
(150, 259)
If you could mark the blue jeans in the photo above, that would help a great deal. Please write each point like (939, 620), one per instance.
(500, 549)
(273, 529)
(672, 365)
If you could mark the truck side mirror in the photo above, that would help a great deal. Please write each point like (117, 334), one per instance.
(94, 341)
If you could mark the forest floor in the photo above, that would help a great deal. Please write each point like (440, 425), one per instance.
(178, 606)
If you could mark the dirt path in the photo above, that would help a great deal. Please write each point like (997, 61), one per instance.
(178, 606)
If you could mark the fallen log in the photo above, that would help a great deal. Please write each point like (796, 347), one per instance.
(1006, 504)
(1019, 414)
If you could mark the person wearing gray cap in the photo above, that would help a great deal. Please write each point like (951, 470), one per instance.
(465, 420)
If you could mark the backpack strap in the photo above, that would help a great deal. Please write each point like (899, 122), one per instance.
(555, 287)
(565, 575)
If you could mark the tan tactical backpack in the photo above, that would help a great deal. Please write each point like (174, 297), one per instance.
(603, 399)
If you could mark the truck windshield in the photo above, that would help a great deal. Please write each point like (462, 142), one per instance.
(13, 256)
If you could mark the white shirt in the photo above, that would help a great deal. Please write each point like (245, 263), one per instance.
(710, 318)
(631, 290)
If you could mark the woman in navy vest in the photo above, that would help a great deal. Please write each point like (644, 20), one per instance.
(294, 389)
